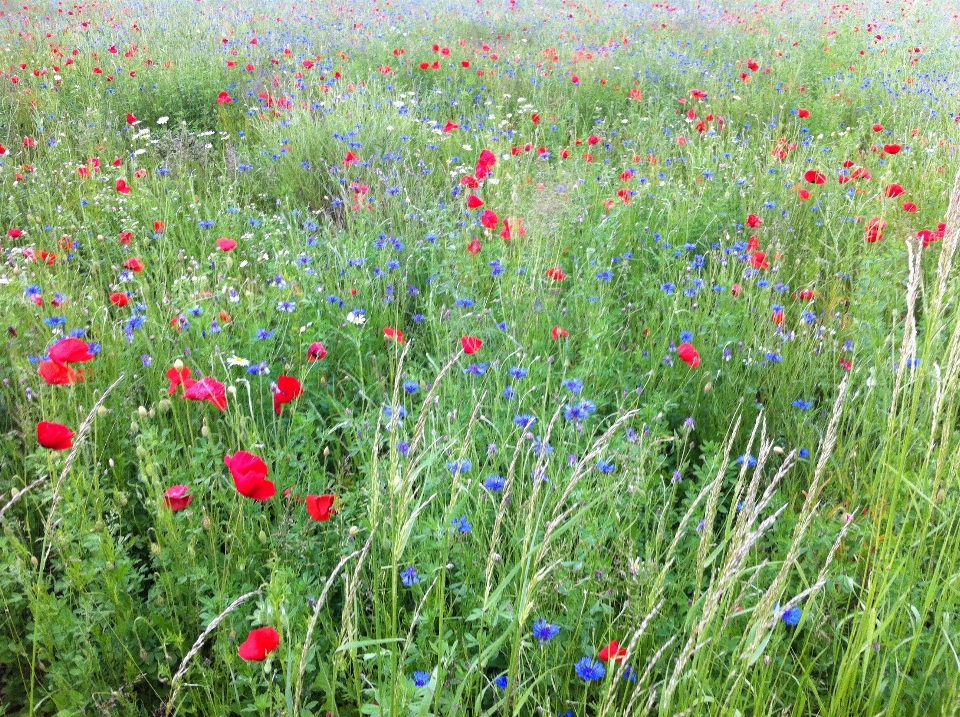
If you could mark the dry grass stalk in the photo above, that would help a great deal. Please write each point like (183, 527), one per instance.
(71, 457)
(321, 601)
(214, 624)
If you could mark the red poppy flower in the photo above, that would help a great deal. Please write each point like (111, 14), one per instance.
(878, 127)
(350, 159)
(558, 333)
(910, 207)
(735, 290)
(450, 126)
(320, 507)
(55, 436)
(803, 113)
(58, 374)
(250, 475)
(688, 354)
(119, 299)
(513, 225)
(259, 643)
(753, 221)
(224, 98)
(803, 194)
(126, 237)
(759, 260)
(14, 233)
(70, 351)
(892, 148)
(288, 388)
(159, 226)
(613, 651)
(208, 389)
(894, 190)
(316, 351)
(391, 333)
(814, 177)
(134, 264)
(470, 181)
(874, 230)
(179, 377)
(474, 202)
(131, 119)
(471, 344)
(752, 64)
(485, 163)
(489, 219)
(753, 243)
(805, 294)
(556, 273)
(929, 236)
(123, 187)
(777, 317)
(226, 244)
(176, 497)
(535, 118)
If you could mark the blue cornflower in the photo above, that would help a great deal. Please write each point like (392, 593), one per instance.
(464, 466)
(803, 405)
(421, 678)
(668, 288)
(605, 275)
(502, 681)
(146, 360)
(509, 393)
(464, 303)
(518, 372)
(773, 357)
(410, 577)
(540, 448)
(477, 369)
(264, 334)
(494, 482)
(579, 411)
(589, 669)
(804, 453)
(606, 466)
(503, 326)
(791, 616)
(544, 631)
(55, 321)
(748, 459)
(389, 412)
(574, 385)
(287, 306)
(206, 223)
(462, 524)
(686, 337)
(411, 386)
(525, 420)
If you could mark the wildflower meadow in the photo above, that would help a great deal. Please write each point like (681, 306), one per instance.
(573, 359)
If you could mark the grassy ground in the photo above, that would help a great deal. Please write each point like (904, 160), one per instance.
(712, 418)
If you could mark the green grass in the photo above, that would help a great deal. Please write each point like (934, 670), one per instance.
(679, 511)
